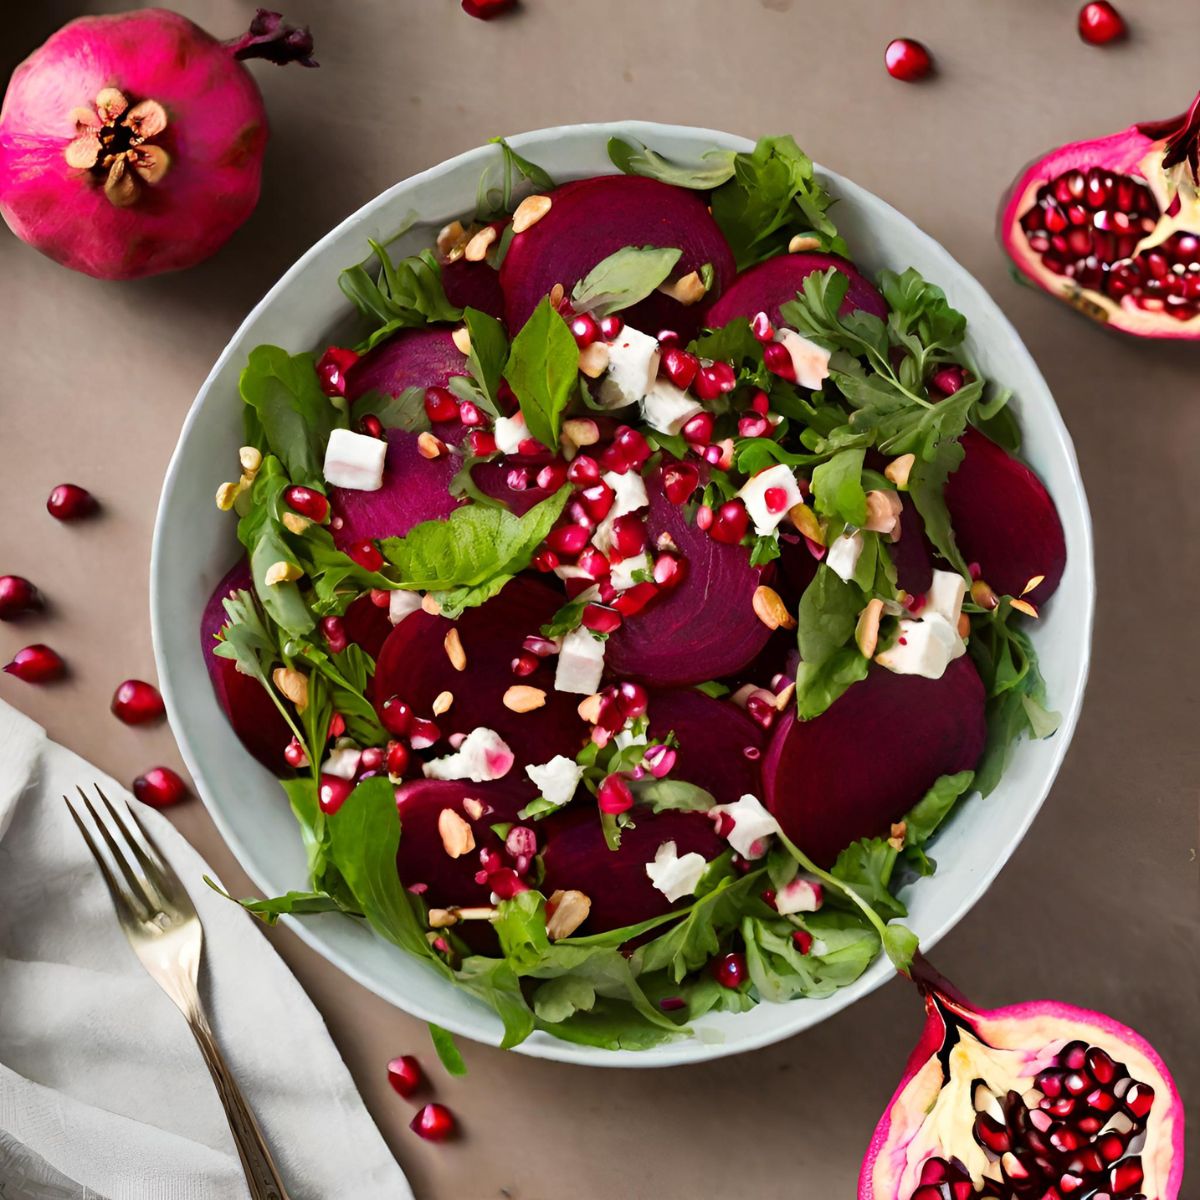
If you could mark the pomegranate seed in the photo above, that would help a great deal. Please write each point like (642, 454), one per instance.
(542, 647)
(730, 970)
(332, 792)
(480, 443)
(907, 60)
(679, 481)
(599, 619)
(506, 883)
(730, 523)
(612, 458)
(672, 1003)
(371, 759)
(1100, 1065)
(441, 404)
(669, 571)
(371, 425)
(584, 329)
(17, 596)
(776, 499)
(760, 402)
(613, 795)
(632, 699)
(36, 664)
(778, 361)
(70, 502)
(294, 755)
(610, 327)
(593, 562)
(584, 470)
(521, 841)
(518, 479)
(396, 716)
(667, 337)
(435, 1122)
(337, 726)
(752, 426)
(530, 447)
(545, 561)
(568, 539)
(761, 327)
(331, 369)
(1100, 23)
(633, 446)
(423, 734)
(160, 787)
(552, 476)
(679, 366)
(1126, 1177)
(708, 382)
(137, 703)
(333, 630)
(629, 535)
(307, 502)
(698, 430)
(366, 555)
(404, 1074)
(469, 414)
(397, 759)
(802, 940)
(634, 599)
(947, 380)
(524, 664)
(704, 517)
(1139, 1099)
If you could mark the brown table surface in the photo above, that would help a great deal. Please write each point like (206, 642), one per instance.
(1098, 906)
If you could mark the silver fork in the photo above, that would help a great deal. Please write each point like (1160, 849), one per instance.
(160, 921)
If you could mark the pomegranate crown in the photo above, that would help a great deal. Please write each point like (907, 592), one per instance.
(1182, 136)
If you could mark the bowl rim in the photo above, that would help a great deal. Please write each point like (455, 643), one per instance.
(689, 1050)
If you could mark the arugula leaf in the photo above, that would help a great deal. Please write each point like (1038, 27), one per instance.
(270, 910)
(716, 168)
(557, 999)
(922, 820)
(867, 866)
(543, 366)
(489, 353)
(926, 486)
(900, 944)
(827, 615)
(491, 202)
(295, 416)
(566, 619)
(818, 685)
(622, 279)
(493, 981)
(405, 411)
(843, 948)
(406, 295)
(447, 1050)
(666, 794)
(837, 487)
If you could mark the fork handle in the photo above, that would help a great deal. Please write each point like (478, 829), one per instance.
(261, 1173)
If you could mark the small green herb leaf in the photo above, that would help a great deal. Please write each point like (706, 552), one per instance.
(623, 279)
(543, 366)
(716, 166)
(447, 1050)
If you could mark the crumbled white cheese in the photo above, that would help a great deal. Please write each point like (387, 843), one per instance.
(354, 461)
(668, 408)
(557, 779)
(401, 604)
(752, 825)
(843, 555)
(632, 368)
(801, 895)
(621, 576)
(510, 432)
(580, 663)
(629, 494)
(753, 494)
(342, 762)
(946, 595)
(923, 647)
(626, 738)
(675, 877)
(483, 755)
(809, 361)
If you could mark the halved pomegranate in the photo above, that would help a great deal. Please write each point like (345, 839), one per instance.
(1040, 1100)
(1112, 226)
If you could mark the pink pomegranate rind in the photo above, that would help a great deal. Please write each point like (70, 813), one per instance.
(1005, 520)
(215, 138)
(827, 792)
(1037, 1031)
(705, 627)
(768, 285)
(593, 218)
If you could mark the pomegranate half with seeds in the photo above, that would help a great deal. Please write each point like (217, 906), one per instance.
(1112, 226)
(1040, 1100)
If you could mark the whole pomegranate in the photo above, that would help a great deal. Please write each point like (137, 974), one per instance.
(132, 144)
(1040, 1100)
(1112, 226)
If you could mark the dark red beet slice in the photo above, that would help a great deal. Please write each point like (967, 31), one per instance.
(764, 287)
(576, 857)
(912, 554)
(593, 218)
(411, 358)
(713, 736)
(251, 711)
(414, 666)
(705, 627)
(475, 284)
(796, 568)
(1005, 520)
(367, 625)
(861, 765)
(415, 489)
(492, 479)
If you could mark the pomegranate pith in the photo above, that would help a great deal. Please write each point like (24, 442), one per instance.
(137, 703)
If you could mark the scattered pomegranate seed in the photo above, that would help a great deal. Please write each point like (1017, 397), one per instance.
(441, 404)
(672, 1003)
(568, 539)
(405, 1075)
(524, 664)
(760, 402)
(332, 367)
(584, 330)
(633, 446)
(698, 430)
(367, 555)
(1100, 23)
(613, 795)
(294, 755)
(397, 759)
(435, 1122)
(599, 619)
(753, 425)
(333, 630)
(633, 600)
(371, 425)
(542, 647)
(160, 787)
(481, 443)
(730, 970)
(711, 381)
(761, 327)
(485, 10)
(332, 791)
(669, 571)
(552, 476)
(36, 664)
(776, 499)
(593, 562)
(307, 502)
(597, 500)
(610, 327)
(337, 725)
(545, 560)
(704, 517)
(730, 523)
(470, 414)
(396, 716)
(907, 60)
(629, 535)
(679, 366)
(778, 361)
(632, 699)
(802, 940)
(679, 481)
(137, 703)
(70, 502)
(17, 596)
(423, 734)
(947, 380)
(584, 470)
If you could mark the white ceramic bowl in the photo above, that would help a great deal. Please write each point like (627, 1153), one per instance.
(194, 546)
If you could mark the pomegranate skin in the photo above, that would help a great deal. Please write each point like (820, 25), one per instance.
(215, 138)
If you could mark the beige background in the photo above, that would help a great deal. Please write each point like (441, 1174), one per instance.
(1099, 906)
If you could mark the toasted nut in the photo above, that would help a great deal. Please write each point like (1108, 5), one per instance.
(442, 702)
(899, 832)
(688, 290)
(251, 459)
(964, 625)
(883, 511)
(589, 708)
(802, 242)
(456, 835)
(565, 912)
(529, 212)
(866, 632)
(593, 360)
(477, 912)
(1023, 606)
(293, 684)
(429, 604)
(227, 493)
(581, 431)
(784, 697)
(462, 339)
(807, 522)
(1035, 582)
(282, 572)
(770, 609)
(442, 918)
(429, 446)
(454, 650)
(899, 469)
(473, 808)
(477, 248)
(451, 237)
(982, 594)
(520, 698)
(294, 522)
(558, 294)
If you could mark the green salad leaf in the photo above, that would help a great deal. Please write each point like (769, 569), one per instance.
(489, 354)
(543, 367)
(623, 279)
(447, 1050)
(716, 166)
(405, 295)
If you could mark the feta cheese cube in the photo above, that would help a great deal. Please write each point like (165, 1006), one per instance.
(924, 647)
(754, 492)
(809, 361)
(675, 877)
(621, 576)
(752, 825)
(629, 494)
(402, 603)
(946, 594)
(632, 368)
(354, 461)
(342, 762)
(668, 408)
(483, 755)
(558, 779)
(843, 555)
(801, 895)
(580, 663)
(510, 432)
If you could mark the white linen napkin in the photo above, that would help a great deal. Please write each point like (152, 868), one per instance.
(103, 1094)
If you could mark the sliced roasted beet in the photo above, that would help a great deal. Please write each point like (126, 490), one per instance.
(1005, 520)
(251, 711)
(593, 218)
(475, 284)
(414, 665)
(492, 478)
(766, 286)
(367, 625)
(863, 763)
(797, 566)
(706, 626)
(912, 554)
(415, 489)
(713, 737)
(411, 358)
(577, 857)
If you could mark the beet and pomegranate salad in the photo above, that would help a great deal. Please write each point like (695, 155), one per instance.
(628, 609)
